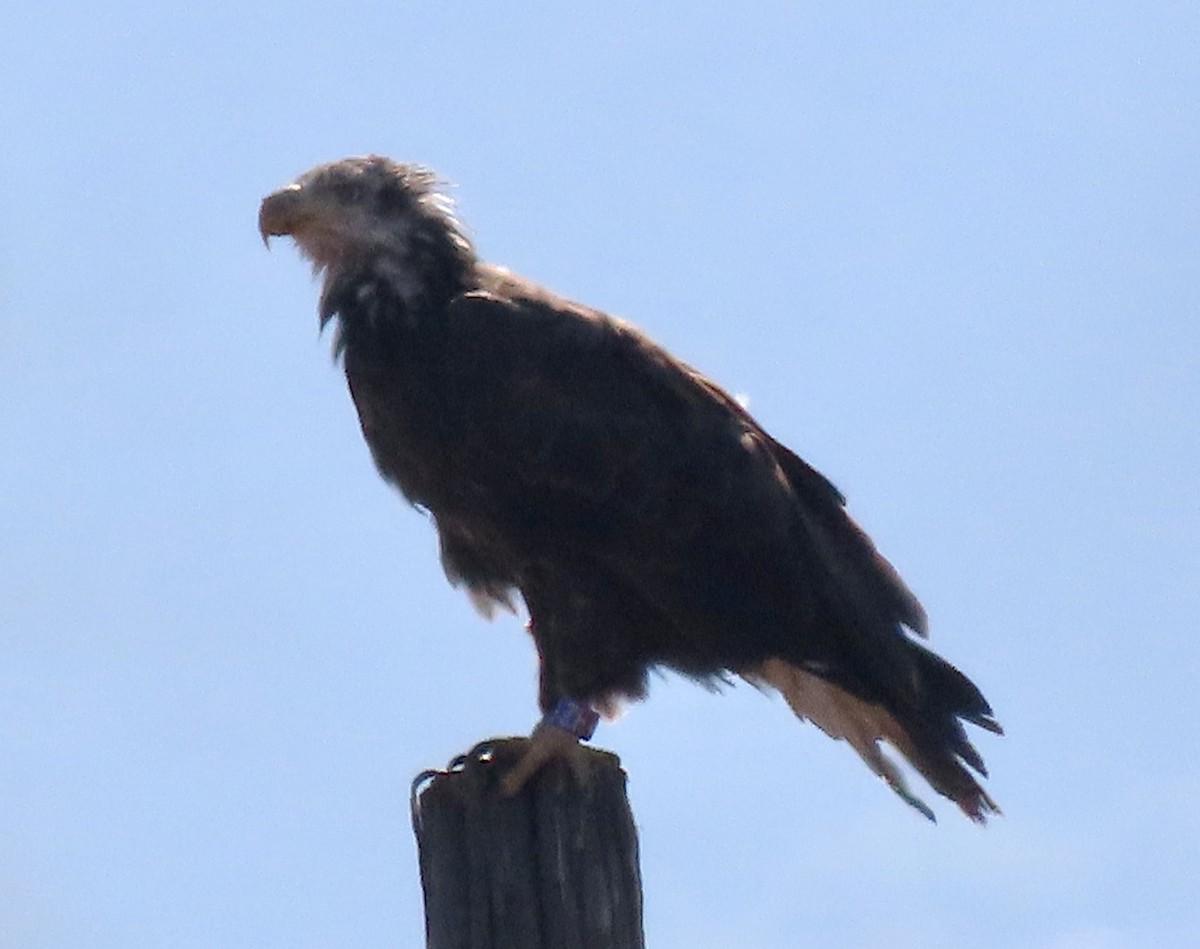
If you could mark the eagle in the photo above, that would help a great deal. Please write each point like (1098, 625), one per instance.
(644, 518)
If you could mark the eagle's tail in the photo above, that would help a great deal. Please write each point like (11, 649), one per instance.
(930, 737)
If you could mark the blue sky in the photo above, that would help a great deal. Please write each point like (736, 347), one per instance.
(952, 254)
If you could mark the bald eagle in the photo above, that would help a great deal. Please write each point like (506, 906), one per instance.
(644, 517)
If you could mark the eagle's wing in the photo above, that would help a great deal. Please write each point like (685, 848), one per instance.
(592, 441)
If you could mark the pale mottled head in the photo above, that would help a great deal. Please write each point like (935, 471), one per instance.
(370, 211)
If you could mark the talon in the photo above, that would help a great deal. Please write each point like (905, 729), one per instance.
(546, 743)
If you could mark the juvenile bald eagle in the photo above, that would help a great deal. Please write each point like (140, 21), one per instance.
(644, 517)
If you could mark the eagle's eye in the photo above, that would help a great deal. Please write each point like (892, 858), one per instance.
(349, 190)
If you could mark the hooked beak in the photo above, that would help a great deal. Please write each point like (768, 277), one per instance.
(280, 213)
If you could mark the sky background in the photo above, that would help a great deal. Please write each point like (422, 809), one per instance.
(950, 251)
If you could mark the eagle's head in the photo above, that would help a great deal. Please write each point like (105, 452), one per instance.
(371, 213)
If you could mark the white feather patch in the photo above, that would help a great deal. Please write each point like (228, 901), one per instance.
(486, 601)
(841, 715)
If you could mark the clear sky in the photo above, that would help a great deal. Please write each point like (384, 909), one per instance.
(951, 252)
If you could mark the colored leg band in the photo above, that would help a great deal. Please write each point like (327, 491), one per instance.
(573, 716)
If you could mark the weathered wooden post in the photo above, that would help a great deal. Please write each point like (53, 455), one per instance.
(553, 867)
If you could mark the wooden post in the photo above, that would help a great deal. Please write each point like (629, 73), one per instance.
(553, 867)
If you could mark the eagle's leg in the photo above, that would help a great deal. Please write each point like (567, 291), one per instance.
(564, 629)
(557, 735)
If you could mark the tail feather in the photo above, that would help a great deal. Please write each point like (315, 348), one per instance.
(938, 757)
(958, 693)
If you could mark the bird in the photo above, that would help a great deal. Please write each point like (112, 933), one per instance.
(644, 518)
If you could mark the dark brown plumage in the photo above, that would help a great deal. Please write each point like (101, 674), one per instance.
(642, 514)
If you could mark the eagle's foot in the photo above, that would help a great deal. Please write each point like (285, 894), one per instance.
(555, 736)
